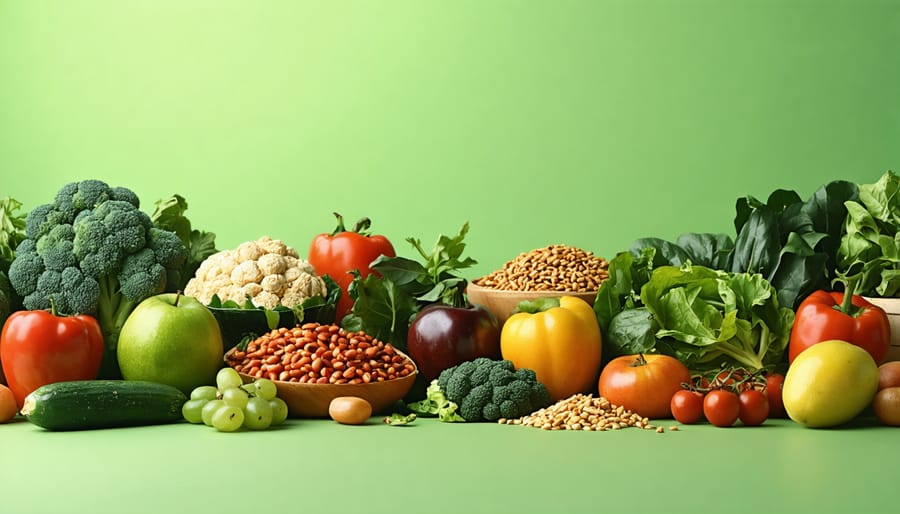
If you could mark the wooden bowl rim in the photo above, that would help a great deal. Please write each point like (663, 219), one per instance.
(513, 292)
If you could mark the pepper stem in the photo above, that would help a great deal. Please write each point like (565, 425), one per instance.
(360, 227)
(52, 305)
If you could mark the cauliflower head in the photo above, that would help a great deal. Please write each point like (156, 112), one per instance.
(267, 271)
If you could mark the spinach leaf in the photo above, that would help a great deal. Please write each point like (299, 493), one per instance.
(621, 291)
(758, 243)
(710, 250)
(381, 308)
(630, 332)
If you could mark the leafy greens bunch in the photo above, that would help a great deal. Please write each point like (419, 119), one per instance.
(869, 252)
(12, 232)
(791, 242)
(386, 302)
(704, 318)
(789, 246)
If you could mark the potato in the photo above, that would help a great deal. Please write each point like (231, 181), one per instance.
(889, 375)
(349, 410)
(887, 406)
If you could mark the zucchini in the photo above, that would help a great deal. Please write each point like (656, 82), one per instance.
(88, 404)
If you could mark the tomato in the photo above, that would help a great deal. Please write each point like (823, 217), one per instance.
(889, 375)
(643, 384)
(687, 406)
(8, 407)
(774, 384)
(339, 253)
(39, 347)
(754, 407)
(722, 408)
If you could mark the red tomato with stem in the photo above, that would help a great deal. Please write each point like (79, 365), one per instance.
(687, 406)
(643, 383)
(754, 407)
(722, 408)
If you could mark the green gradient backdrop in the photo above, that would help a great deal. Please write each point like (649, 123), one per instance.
(589, 123)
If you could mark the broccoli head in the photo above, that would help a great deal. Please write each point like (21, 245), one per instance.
(487, 390)
(94, 252)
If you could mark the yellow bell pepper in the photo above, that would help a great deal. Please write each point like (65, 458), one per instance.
(558, 338)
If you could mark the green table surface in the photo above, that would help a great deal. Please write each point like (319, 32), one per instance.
(319, 466)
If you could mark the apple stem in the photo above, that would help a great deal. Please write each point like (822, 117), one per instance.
(177, 297)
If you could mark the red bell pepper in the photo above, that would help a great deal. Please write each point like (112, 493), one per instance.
(342, 251)
(824, 315)
(39, 348)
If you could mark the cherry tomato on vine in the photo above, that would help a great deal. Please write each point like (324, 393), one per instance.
(774, 384)
(687, 406)
(721, 407)
(754, 407)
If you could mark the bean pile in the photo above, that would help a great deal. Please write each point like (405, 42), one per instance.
(583, 412)
(552, 268)
(321, 354)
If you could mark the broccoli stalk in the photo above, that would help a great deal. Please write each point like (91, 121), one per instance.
(112, 310)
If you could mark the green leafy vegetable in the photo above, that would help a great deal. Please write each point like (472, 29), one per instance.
(169, 215)
(397, 419)
(12, 230)
(708, 317)
(385, 305)
(869, 253)
(436, 404)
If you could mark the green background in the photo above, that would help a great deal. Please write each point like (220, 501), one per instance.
(588, 123)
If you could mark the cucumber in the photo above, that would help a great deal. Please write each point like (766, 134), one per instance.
(89, 404)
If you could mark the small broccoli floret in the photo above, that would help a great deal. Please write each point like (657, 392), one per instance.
(487, 390)
(82, 293)
(472, 405)
(125, 195)
(55, 248)
(75, 197)
(25, 269)
(141, 276)
(170, 252)
(43, 218)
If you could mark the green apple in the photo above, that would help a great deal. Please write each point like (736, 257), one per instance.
(829, 383)
(172, 339)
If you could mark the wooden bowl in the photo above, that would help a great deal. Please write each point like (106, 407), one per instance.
(311, 400)
(501, 303)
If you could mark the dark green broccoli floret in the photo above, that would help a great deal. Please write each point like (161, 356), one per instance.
(473, 404)
(141, 275)
(56, 248)
(94, 252)
(487, 390)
